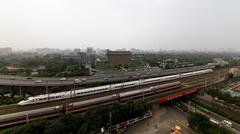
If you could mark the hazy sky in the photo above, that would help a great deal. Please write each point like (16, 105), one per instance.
(144, 24)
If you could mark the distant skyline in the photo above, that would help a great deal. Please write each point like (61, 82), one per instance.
(203, 25)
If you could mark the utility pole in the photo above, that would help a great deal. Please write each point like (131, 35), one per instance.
(11, 87)
(205, 83)
(20, 90)
(47, 89)
(110, 122)
(143, 95)
(189, 106)
(74, 86)
(27, 118)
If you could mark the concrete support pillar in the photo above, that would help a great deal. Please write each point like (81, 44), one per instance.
(20, 91)
(10, 90)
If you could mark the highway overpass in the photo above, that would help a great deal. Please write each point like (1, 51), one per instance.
(21, 85)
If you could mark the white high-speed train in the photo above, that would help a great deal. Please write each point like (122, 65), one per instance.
(22, 117)
(106, 88)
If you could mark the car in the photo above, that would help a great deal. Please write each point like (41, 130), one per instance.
(38, 81)
(12, 78)
(84, 79)
(62, 79)
(214, 121)
(77, 80)
(29, 78)
(227, 123)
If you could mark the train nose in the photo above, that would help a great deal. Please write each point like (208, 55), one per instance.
(21, 103)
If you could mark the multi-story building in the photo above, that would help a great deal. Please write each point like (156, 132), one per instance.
(119, 57)
(80, 57)
(5, 51)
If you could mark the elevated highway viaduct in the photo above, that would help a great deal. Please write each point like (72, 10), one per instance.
(189, 87)
(21, 86)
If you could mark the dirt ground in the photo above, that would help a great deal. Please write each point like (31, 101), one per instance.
(161, 122)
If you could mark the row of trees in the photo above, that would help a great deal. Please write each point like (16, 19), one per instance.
(83, 123)
(53, 67)
(4, 100)
(228, 113)
(201, 124)
(224, 96)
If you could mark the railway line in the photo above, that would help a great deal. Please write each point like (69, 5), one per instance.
(49, 112)
(204, 79)
(190, 80)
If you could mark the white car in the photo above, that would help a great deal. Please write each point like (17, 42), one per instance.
(227, 123)
(214, 121)
(62, 79)
(77, 80)
(84, 79)
(38, 81)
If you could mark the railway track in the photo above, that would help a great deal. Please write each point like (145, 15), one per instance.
(186, 81)
(34, 108)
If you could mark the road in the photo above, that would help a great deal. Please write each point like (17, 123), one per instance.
(194, 79)
(235, 126)
(16, 108)
(9, 80)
